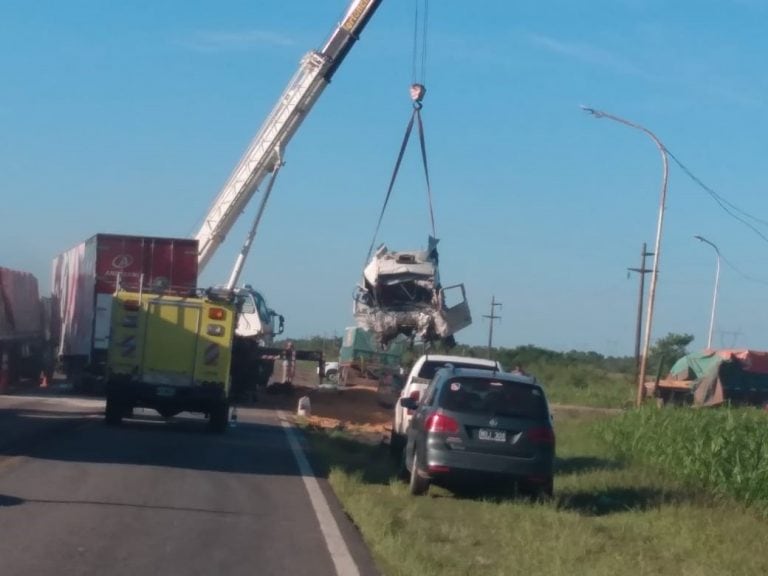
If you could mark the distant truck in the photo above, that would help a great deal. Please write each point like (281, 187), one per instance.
(361, 357)
(171, 354)
(714, 377)
(24, 334)
(86, 277)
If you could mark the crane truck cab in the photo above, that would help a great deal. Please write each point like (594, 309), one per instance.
(255, 318)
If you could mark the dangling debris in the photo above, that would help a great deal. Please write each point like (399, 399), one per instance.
(402, 294)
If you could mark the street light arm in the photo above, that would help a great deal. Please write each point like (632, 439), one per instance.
(601, 114)
(702, 239)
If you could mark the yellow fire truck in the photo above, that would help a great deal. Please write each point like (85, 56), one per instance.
(171, 354)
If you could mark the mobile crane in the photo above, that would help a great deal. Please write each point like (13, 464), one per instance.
(176, 353)
(256, 326)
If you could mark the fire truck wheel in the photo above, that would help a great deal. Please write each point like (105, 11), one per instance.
(113, 414)
(218, 417)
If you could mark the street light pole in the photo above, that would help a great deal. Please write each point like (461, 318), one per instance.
(657, 247)
(717, 284)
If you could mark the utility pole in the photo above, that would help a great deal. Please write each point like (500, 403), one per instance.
(642, 271)
(492, 317)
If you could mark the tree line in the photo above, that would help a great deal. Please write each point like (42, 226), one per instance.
(664, 352)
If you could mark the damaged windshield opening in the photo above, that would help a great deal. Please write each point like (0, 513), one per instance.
(401, 294)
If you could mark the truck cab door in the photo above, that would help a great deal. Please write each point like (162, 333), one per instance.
(455, 316)
(249, 323)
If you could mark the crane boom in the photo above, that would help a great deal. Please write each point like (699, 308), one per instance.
(262, 156)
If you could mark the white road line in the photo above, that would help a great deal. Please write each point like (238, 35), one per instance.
(337, 547)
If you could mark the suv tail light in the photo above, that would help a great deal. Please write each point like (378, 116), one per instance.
(437, 422)
(543, 435)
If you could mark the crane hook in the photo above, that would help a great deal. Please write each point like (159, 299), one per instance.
(417, 94)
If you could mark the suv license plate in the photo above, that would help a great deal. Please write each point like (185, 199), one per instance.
(166, 391)
(492, 435)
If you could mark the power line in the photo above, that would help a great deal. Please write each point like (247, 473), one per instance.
(743, 274)
(728, 207)
(733, 211)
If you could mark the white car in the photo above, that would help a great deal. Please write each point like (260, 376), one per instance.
(417, 381)
(330, 371)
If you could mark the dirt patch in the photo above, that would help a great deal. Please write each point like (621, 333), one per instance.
(566, 408)
(354, 409)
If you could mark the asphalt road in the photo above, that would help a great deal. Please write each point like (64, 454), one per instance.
(155, 497)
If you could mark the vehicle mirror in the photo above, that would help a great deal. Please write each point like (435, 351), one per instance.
(409, 403)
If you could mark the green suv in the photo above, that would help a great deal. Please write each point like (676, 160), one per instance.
(480, 426)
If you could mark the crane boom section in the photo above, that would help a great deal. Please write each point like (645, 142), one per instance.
(315, 72)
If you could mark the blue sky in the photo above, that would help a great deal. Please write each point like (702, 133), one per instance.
(127, 117)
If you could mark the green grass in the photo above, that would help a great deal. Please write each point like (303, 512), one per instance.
(584, 385)
(608, 517)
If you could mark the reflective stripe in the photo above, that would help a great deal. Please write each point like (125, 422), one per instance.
(211, 354)
(128, 345)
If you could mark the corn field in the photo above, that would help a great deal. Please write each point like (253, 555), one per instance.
(722, 450)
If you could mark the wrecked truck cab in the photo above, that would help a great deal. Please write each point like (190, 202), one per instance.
(401, 293)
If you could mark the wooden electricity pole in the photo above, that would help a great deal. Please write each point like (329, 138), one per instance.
(492, 317)
(642, 271)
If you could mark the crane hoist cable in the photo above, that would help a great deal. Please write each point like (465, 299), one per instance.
(420, 24)
(417, 94)
(417, 91)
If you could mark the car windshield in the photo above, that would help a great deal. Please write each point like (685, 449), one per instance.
(493, 397)
(429, 367)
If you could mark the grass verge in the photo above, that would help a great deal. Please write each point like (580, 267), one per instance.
(608, 517)
(584, 386)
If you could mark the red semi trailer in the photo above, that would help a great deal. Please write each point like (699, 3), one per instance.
(24, 341)
(85, 278)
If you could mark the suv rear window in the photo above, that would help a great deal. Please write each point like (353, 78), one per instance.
(493, 397)
(429, 367)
